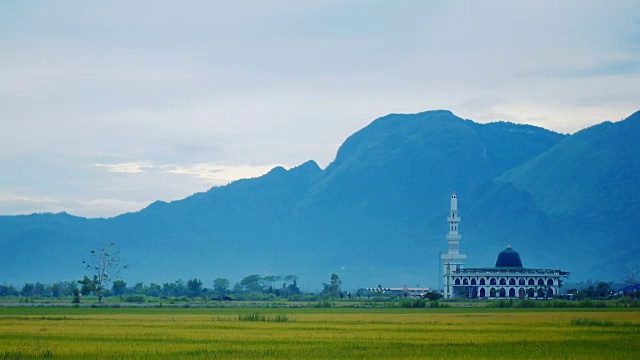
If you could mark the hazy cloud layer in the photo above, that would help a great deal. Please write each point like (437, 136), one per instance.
(108, 106)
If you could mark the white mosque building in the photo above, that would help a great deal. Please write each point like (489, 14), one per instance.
(507, 279)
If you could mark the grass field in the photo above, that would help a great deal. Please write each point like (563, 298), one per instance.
(249, 333)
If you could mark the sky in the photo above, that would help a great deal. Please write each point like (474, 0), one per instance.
(107, 106)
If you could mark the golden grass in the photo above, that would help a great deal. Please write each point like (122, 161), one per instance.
(329, 334)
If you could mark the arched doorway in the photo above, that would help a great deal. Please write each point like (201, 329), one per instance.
(531, 293)
(492, 293)
(512, 293)
(521, 293)
(483, 293)
(549, 293)
(502, 293)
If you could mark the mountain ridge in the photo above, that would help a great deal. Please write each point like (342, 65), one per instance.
(376, 214)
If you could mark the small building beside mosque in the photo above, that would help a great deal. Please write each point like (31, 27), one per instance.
(507, 279)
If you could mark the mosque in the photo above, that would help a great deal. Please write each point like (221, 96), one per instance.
(507, 279)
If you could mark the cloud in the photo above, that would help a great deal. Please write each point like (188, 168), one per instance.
(217, 174)
(129, 167)
(616, 67)
(13, 198)
(106, 207)
(104, 105)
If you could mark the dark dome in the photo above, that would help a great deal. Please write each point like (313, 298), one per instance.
(509, 258)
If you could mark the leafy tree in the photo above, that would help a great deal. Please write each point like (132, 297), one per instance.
(292, 288)
(88, 286)
(56, 290)
(40, 289)
(603, 289)
(8, 290)
(220, 286)
(154, 290)
(137, 289)
(76, 296)
(332, 290)
(271, 279)
(27, 290)
(237, 288)
(195, 287)
(432, 296)
(119, 287)
(177, 288)
(252, 283)
(105, 265)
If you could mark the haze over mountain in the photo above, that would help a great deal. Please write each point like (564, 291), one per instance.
(377, 213)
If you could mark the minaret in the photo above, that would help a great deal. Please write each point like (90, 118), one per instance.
(452, 260)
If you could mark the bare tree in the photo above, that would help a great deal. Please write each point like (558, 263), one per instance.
(631, 275)
(105, 265)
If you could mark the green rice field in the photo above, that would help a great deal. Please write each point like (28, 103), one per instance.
(337, 333)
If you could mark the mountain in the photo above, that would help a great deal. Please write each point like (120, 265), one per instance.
(589, 183)
(377, 213)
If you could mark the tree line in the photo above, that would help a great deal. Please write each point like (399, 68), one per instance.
(252, 287)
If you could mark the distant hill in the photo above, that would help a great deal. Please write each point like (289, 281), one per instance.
(377, 213)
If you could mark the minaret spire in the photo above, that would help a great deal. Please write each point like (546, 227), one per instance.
(453, 259)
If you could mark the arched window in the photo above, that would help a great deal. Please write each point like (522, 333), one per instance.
(502, 293)
(492, 281)
(540, 282)
(512, 281)
(521, 281)
(531, 293)
(512, 293)
(465, 281)
(550, 293)
(473, 281)
(550, 282)
(483, 293)
(482, 282)
(457, 281)
(531, 282)
(503, 281)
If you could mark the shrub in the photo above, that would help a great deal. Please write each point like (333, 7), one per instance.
(257, 317)
(134, 299)
(324, 304)
(413, 303)
(586, 303)
(527, 303)
(252, 317)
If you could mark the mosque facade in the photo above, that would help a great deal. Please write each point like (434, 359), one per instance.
(507, 279)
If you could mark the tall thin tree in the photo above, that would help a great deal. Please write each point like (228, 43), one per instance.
(105, 265)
